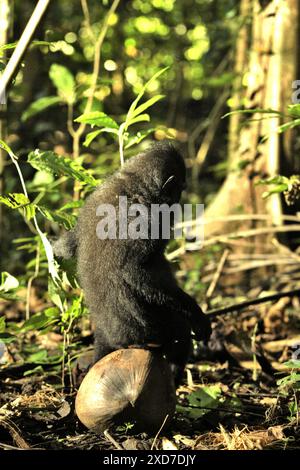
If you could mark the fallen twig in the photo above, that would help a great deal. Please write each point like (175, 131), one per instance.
(248, 303)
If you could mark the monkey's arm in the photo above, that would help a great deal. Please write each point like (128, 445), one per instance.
(65, 247)
(174, 299)
(199, 321)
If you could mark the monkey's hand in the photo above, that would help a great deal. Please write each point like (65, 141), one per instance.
(201, 326)
(65, 247)
(200, 322)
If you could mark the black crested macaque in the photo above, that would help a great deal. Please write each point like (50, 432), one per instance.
(128, 283)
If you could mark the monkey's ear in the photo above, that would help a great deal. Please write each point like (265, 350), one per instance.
(171, 190)
(169, 183)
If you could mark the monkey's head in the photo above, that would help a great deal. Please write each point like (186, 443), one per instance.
(156, 176)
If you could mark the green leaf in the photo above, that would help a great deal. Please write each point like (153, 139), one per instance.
(14, 200)
(19, 201)
(206, 397)
(7, 47)
(53, 313)
(40, 105)
(254, 111)
(57, 295)
(2, 324)
(13, 45)
(294, 110)
(71, 205)
(293, 363)
(8, 282)
(142, 92)
(35, 371)
(36, 322)
(7, 338)
(141, 118)
(288, 125)
(6, 147)
(136, 139)
(55, 164)
(92, 135)
(64, 81)
(62, 218)
(280, 188)
(278, 179)
(97, 118)
(147, 104)
(201, 402)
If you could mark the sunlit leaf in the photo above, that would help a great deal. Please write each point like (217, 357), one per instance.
(62, 218)
(141, 118)
(36, 322)
(5, 147)
(140, 109)
(8, 282)
(253, 111)
(13, 45)
(99, 119)
(280, 188)
(288, 125)
(92, 135)
(136, 139)
(142, 92)
(39, 106)
(56, 164)
(64, 81)
(278, 179)
(19, 201)
(294, 110)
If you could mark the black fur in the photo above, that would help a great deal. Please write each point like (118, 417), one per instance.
(128, 284)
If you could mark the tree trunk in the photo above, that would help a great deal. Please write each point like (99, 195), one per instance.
(268, 84)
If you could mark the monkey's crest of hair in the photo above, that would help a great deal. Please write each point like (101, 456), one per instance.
(154, 176)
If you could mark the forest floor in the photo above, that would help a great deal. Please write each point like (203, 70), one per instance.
(239, 393)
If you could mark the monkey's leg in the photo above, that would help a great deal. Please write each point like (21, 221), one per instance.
(101, 346)
(178, 355)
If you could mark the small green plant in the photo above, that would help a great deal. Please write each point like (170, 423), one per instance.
(135, 114)
(290, 386)
(290, 187)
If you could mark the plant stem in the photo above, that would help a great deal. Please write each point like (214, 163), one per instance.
(77, 134)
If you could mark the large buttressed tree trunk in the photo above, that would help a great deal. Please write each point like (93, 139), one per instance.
(268, 47)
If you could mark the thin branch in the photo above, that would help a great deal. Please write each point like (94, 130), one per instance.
(110, 438)
(87, 18)
(159, 431)
(23, 43)
(77, 134)
(248, 303)
(214, 121)
(96, 68)
(31, 279)
(217, 274)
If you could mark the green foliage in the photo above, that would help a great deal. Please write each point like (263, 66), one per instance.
(292, 380)
(98, 119)
(134, 115)
(201, 402)
(57, 165)
(5, 147)
(40, 105)
(19, 201)
(290, 187)
(64, 82)
(8, 286)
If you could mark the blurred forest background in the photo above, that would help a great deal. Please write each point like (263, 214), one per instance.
(220, 77)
